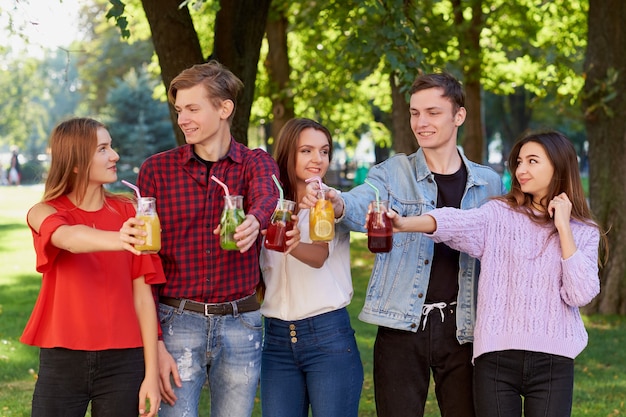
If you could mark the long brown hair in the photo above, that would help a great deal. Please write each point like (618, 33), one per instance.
(73, 143)
(566, 179)
(286, 149)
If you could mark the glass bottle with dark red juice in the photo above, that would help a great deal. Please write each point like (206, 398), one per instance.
(276, 236)
(379, 228)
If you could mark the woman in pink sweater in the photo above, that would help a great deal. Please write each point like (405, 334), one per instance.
(538, 248)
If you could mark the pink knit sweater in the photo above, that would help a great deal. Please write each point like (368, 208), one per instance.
(528, 296)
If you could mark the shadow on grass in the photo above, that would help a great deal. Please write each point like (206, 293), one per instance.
(5, 234)
(17, 297)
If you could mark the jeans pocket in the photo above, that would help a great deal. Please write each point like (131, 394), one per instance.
(341, 342)
(251, 320)
(166, 314)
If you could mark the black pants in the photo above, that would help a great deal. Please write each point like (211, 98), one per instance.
(501, 379)
(403, 361)
(70, 379)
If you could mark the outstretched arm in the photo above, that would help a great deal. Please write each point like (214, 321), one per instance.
(422, 224)
(80, 238)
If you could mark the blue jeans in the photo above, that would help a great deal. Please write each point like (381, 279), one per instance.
(225, 349)
(70, 379)
(502, 378)
(314, 362)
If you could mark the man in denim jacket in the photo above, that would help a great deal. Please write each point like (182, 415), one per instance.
(424, 324)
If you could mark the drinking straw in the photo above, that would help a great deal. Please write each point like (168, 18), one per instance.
(225, 187)
(134, 187)
(280, 189)
(318, 179)
(377, 194)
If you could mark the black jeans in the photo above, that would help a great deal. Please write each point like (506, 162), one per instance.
(403, 361)
(70, 379)
(501, 379)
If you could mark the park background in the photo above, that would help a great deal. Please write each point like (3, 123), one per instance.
(525, 64)
(600, 382)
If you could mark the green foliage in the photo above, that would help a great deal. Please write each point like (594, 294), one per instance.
(139, 125)
(34, 95)
(117, 13)
(105, 57)
(539, 46)
(33, 172)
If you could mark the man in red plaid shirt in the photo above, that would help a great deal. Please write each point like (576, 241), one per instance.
(209, 314)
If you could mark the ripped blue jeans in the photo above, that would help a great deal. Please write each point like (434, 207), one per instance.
(225, 349)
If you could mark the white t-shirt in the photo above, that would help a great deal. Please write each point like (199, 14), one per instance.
(297, 291)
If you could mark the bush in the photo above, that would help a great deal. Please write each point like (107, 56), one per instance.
(33, 172)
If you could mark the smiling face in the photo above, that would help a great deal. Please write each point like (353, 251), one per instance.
(312, 154)
(433, 119)
(103, 168)
(199, 118)
(534, 170)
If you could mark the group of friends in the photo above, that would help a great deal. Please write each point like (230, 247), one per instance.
(481, 288)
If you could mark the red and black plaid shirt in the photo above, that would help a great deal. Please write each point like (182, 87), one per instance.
(189, 205)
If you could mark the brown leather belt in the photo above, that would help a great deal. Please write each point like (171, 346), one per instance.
(243, 305)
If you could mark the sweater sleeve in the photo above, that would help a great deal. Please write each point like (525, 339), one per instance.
(462, 230)
(580, 282)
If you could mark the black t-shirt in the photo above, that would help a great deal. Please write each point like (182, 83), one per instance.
(444, 280)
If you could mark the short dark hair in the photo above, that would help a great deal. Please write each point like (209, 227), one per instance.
(452, 88)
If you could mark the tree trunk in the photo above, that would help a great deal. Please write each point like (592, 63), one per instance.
(278, 70)
(239, 29)
(175, 42)
(605, 120)
(403, 138)
(470, 56)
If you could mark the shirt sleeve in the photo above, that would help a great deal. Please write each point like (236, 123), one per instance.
(45, 251)
(262, 191)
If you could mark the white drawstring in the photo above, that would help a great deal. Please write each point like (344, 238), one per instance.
(427, 308)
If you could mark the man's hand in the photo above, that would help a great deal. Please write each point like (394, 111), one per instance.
(167, 368)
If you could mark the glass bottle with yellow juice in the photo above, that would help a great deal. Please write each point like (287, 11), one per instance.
(322, 219)
(146, 211)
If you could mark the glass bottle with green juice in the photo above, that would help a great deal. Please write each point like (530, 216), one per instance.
(232, 216)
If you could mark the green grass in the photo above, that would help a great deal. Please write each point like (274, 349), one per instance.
(600, 387)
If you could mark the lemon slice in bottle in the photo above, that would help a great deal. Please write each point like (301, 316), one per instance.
(323, 228)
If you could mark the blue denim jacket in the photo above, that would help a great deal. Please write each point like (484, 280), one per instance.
(399, 280)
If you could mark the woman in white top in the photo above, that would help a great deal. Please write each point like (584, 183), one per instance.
(310, 356)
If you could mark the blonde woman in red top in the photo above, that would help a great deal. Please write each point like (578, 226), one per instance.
(95, 318)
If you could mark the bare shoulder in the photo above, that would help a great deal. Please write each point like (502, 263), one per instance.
(38, 213)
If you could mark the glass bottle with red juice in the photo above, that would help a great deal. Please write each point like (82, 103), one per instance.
(379, 227)
(276, 236)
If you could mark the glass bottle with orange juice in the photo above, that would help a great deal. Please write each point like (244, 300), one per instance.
(146, 211)
(322, 219)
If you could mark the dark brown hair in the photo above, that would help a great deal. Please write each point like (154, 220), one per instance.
(452, 89)
(286, 149)
(566, 179)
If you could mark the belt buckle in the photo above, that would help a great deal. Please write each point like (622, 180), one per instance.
(206, 310)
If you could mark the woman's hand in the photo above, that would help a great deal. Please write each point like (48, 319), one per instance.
(132, 234)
